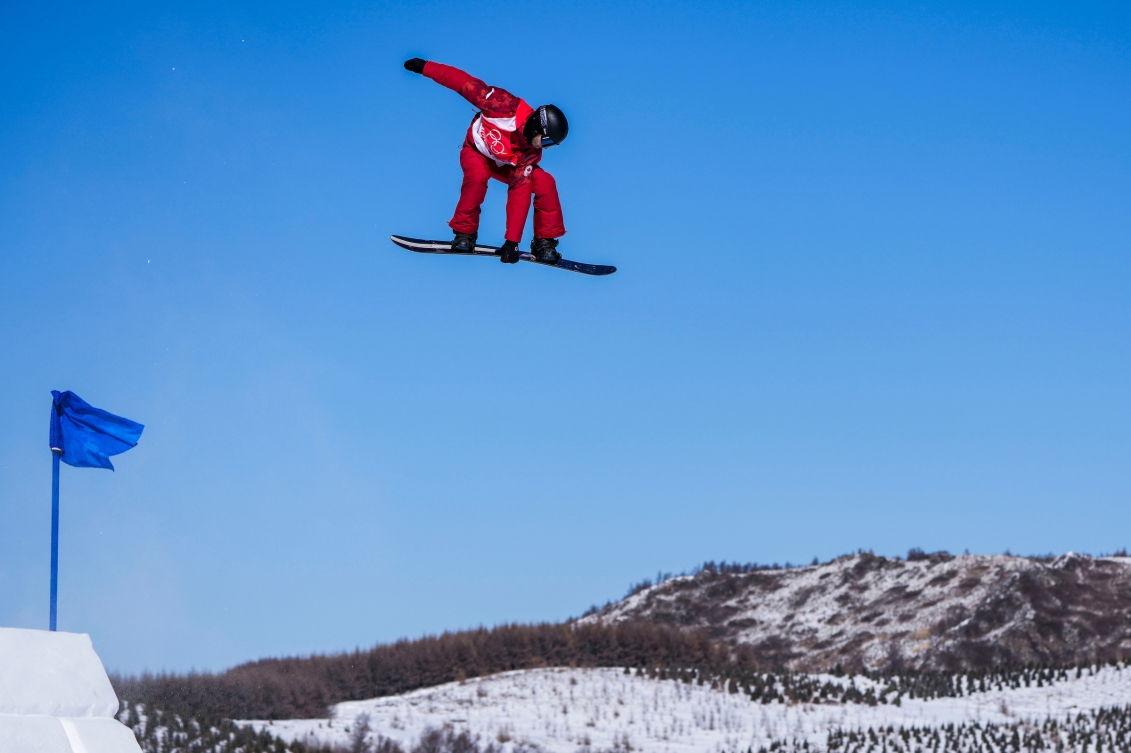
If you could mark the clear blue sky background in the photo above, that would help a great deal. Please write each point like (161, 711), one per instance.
(873, 293)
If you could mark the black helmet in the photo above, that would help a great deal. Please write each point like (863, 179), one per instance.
(548, 121)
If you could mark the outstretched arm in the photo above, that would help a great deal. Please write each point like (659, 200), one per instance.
(489, 99)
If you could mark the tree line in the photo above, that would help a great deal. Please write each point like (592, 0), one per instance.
(1098, 731)
(304, 687)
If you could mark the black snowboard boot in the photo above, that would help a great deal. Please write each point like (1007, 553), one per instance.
(545, 250)
(464, 242)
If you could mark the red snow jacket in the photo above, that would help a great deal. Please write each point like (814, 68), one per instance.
(496, 131)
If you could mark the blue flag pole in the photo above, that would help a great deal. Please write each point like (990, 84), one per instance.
(81, 436)
(54, 534)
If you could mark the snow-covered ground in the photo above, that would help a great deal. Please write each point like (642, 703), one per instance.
(55, 696)
(562, 710)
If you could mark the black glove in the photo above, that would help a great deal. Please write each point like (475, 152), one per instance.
(416, 65)
(509, 253)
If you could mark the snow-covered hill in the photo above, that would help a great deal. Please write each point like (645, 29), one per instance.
(564, 710)
(935, 612)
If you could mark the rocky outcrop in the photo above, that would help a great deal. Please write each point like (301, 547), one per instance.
(931, 612)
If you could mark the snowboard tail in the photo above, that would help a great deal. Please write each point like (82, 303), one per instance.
(445, 247)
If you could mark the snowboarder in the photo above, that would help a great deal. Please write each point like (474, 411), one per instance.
(504, 142)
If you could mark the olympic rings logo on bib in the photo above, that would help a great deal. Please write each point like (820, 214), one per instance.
(495, 141)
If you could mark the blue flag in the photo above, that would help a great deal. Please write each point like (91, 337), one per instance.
(87, 436)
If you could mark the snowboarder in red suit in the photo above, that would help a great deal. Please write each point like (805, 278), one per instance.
(504, 142)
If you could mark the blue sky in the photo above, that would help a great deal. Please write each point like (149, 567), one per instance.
(873, 293)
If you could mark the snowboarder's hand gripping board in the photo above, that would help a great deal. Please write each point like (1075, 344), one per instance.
(445, 247)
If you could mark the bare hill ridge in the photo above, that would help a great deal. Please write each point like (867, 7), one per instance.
(936, 612)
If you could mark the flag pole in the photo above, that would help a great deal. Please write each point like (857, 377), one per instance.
(54, 533)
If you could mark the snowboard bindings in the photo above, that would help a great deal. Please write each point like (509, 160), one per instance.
(545, 250)
(464, 242)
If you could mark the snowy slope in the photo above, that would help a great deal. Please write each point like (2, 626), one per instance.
(562, 710)
(55, 696)
(940, 612)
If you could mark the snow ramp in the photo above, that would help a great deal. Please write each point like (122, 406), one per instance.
(55, 696)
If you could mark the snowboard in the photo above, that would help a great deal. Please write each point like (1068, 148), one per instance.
(445, 247)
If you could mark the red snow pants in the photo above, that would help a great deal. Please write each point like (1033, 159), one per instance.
(477, 170)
